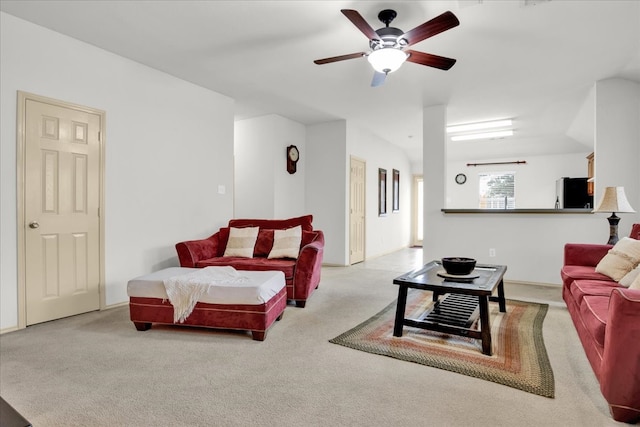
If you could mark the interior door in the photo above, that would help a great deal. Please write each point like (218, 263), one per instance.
(418, 210)
(357, 211)
(62, 196)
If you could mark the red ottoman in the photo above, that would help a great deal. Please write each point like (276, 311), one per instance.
(254, 305)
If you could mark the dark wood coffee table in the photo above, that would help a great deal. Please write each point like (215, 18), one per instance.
(458, 309)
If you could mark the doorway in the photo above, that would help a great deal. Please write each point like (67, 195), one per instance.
(60, 192)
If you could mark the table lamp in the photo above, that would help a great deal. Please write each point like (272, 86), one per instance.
(614, 200)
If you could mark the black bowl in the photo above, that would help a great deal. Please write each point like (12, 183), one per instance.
(458, 266)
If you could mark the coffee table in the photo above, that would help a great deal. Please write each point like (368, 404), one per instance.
(462, 298)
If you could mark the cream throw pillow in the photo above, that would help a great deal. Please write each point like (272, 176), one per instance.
(620, 259)
(628, 278)
(286, 243)
(241, 241)
(636, 283)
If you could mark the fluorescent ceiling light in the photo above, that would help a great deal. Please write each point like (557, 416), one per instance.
(387, 59)
(483, 135)
(479, 126)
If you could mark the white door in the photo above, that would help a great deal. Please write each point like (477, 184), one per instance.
(418, 212)
(62, 239)
(357, 211)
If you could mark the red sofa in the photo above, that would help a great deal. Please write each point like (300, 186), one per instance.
(607, 318)
(302, 275)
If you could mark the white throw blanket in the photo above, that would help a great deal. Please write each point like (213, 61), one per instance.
(185, 290)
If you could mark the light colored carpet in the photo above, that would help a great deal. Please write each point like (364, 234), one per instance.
(97, 370)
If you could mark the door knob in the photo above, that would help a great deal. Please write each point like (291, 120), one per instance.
(34, 224)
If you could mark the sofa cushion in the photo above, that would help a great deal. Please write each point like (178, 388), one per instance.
(581, 288)
(286, 243)
(223, 237)
(241, 242)
(253, 264)
(309, 236)
(264, 243)
(620, 259)
(576, 272)
(594, 310)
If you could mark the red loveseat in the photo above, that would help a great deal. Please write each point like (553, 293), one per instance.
(302, 275)
(607, 319)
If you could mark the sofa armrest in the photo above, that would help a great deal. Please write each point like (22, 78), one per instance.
(192, 251)
(620, 370)
(308, 268)
(586, 254)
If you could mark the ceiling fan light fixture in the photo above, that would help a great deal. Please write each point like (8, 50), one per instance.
(387, 59)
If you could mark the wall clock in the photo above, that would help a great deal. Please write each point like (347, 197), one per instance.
(293, 155)
(461, 178)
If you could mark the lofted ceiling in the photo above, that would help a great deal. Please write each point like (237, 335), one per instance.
(533, 60)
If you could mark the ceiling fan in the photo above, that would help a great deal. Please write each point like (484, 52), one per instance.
(389, 45)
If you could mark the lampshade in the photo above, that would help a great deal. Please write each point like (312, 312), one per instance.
(387, 59)
(614, 200)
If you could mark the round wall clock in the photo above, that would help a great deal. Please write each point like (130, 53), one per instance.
(461, 178)
(293, 155)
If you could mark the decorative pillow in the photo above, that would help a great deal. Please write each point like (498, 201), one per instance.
(241, 241)
(636, 283)
(620, 259)
(286, 243)
(630, 277)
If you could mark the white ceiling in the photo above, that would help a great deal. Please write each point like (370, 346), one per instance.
(535, 63)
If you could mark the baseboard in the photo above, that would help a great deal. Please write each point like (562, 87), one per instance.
(7, 330)
(329, 264)
(541, 284)
(111, 306)
(108, 307)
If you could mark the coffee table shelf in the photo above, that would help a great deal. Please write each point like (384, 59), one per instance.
(454, 309)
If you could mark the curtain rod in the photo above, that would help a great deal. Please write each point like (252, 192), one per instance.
(518, 162)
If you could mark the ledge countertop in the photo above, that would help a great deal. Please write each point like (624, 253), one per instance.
(517, 211)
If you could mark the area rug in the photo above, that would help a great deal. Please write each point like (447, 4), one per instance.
(519, 358)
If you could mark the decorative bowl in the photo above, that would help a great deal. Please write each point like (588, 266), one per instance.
(458, 266)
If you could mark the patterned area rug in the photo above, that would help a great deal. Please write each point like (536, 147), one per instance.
(519, 358)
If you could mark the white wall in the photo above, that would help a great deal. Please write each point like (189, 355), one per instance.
(264, 188)
(532, 245)
(617, 142)
(535, 180)
(329, 149)
(169, 144)
(391, 232)
(326, 187)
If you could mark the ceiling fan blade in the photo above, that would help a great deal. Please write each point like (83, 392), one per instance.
(339, 58)
(357, 20)
(378, 79)
(430, 60)
(430, 28)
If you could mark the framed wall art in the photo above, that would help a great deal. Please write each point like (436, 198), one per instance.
(382, 192)
(395, 205)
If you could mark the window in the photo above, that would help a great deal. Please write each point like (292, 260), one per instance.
(497, 190)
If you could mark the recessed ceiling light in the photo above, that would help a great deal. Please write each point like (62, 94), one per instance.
(480, 125)
(483, 135)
